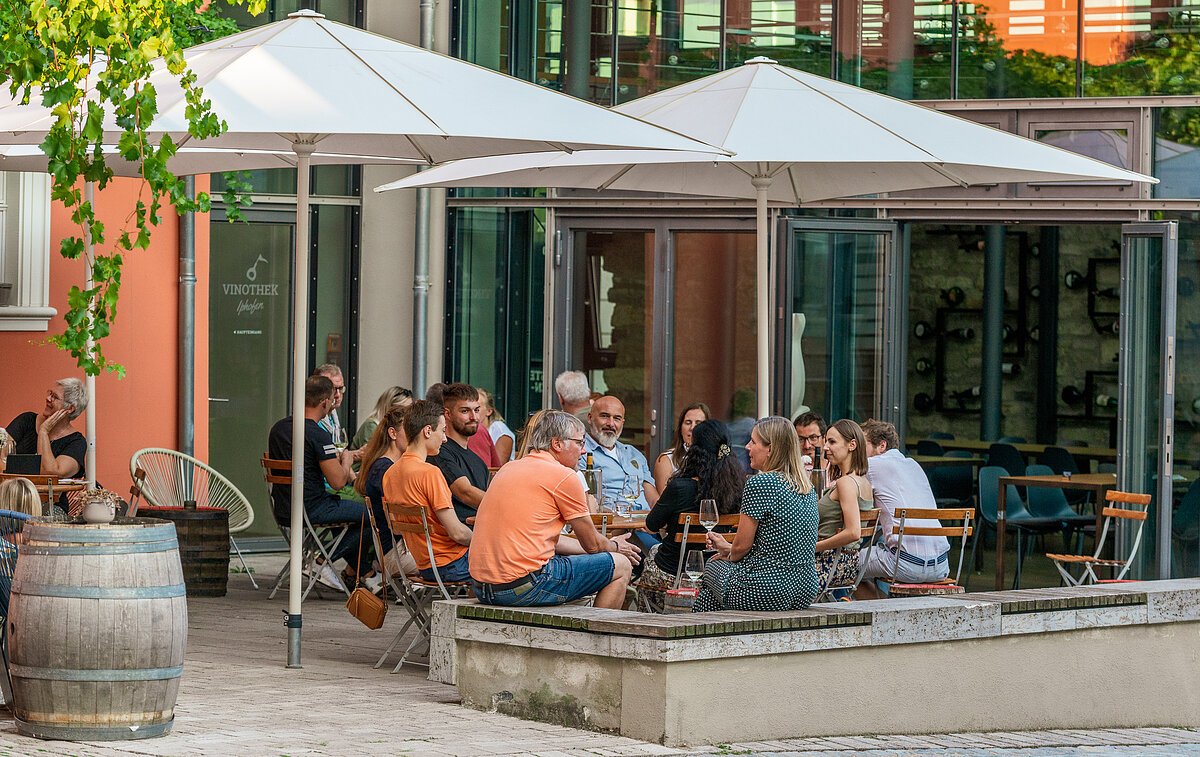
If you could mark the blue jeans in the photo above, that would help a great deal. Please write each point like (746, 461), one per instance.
(564, 579)
(334, 510)
(455, 570)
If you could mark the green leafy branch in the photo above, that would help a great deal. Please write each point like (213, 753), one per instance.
(90, 62)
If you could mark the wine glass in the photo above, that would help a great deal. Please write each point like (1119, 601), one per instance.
(629, 496)
(708, 514)
(339, 439)
(694, 566)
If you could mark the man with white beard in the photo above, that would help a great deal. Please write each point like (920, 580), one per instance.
(618, 462)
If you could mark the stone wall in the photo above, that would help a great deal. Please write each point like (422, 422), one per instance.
(951, 256)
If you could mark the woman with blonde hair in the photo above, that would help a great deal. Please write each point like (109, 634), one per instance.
(839, 530)
(392, 397)
(769, 565)
(20, 496)
(502, 436)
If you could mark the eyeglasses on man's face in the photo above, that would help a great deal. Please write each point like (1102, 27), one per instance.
(811, 439)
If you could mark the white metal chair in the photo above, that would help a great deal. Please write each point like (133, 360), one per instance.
(166, 478)
(319, 541)
(1135, 509)
(418, 594)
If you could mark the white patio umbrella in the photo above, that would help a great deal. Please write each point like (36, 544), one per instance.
(796, 138)
(306, 82)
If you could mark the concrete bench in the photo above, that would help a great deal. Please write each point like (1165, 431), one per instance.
(1083, 657)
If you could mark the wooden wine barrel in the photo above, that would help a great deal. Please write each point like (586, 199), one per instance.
(203, 546)
(98, 628)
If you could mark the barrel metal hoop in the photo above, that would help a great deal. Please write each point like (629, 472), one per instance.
(92, 733)
(122, 674)
(165, 532)
(102, 549)
(26, 589)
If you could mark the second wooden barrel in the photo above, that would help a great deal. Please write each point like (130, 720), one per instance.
(203, 546)
(97, 630)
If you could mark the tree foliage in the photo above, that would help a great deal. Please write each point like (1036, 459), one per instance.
(90, 61)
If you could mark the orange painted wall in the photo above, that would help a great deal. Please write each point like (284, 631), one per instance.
(139, 410)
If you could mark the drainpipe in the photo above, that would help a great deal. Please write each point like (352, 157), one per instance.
(577, 30)
(421, 254)
(991, 383)
(187, 325)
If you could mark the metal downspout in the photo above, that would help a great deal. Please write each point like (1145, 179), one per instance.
(991, 380)
(187, 325)
(421, 253)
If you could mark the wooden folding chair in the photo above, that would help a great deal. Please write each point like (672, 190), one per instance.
(419, 594)
(1124, 506)
(902, 527)
(869, 527)
(318, 541)
(602, 521)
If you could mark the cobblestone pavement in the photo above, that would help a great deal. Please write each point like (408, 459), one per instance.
(236, 698)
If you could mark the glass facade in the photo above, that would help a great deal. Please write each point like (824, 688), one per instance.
(1062, 277)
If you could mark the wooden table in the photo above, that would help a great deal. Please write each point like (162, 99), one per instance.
(48, 487)
(939, 461)
(1100, 454)
(1097, 483)
(619, 525)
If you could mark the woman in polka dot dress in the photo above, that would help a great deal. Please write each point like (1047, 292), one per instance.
(770, 564)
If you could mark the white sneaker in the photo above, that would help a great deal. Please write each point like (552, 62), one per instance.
(373, 583)
(329, 577)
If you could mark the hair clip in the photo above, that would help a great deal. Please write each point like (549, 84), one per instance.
(722, 451)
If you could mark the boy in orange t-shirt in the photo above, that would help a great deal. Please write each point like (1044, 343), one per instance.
(415, 482)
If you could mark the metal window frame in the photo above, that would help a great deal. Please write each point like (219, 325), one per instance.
(1135, 375)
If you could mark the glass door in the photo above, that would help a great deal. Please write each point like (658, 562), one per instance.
(1146, 410)
(249, 339)
(606, 287)
(844, 298)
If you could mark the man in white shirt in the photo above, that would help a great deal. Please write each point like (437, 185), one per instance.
(620, 464)
(900, 481)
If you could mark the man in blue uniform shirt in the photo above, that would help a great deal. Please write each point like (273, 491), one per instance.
(618, 462)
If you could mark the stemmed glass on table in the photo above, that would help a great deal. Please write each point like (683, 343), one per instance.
(630, 492)
(340, 440)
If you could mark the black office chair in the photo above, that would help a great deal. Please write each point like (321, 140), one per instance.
(930, 447)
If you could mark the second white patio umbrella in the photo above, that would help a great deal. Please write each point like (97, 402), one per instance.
(796, 138)
(307, 83)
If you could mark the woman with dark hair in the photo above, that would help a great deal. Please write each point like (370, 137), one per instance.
(839, 530)
(769, 564)
(708, 470)
(666, 464)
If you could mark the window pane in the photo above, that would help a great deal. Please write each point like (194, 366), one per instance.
(1142, 48)
(1028, 50)
(791, 33)
(1176, 161)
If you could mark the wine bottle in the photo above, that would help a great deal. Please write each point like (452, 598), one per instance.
(954, 296)
(1106, 400)
(923, 366)
(922, 330)
(923, 403)
(1112, 328)
(1071, 395)
(1010, 369)
(1074, 280)
(966, 333)
(966, 395)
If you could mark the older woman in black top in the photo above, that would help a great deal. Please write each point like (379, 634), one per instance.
(49, 432)
(708, 470)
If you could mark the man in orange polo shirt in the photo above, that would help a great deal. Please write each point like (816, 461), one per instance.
(415, 482)
(519, 556)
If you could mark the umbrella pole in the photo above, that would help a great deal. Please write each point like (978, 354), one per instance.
(89, 195)
(762, 292)
(303, 152)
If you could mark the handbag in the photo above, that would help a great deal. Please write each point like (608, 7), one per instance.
(362, 604)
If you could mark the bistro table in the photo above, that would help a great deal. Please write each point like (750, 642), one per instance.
(1097, 483)
(48, 487)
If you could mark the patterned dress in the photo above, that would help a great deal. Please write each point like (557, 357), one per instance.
(778, 573)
